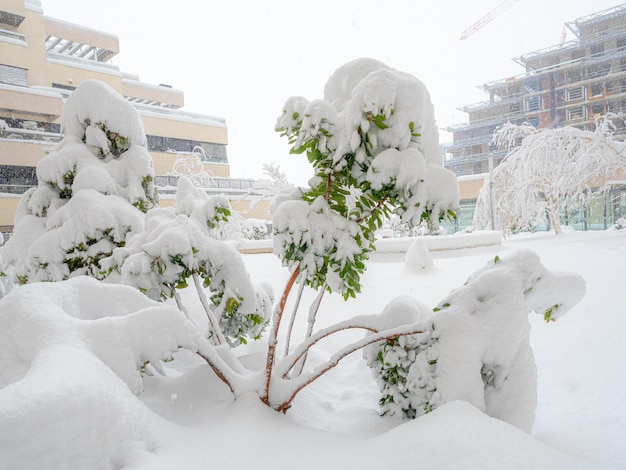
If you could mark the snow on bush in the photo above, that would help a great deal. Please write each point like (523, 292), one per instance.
(374, 145)
(620, 224)
(176, 247)
(93, 187)
(474, 345)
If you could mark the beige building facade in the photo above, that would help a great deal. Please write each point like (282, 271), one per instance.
(43, 59)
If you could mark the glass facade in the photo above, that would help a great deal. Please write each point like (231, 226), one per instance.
(214, 153)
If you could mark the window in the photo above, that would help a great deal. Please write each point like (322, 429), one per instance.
(532, 104)
(13, 75)
(575, 94)
(215, 153)
(597, 49)
(573, 114)
(17, 179)
(597, 89)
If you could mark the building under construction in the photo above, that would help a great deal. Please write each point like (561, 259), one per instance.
(570, 84)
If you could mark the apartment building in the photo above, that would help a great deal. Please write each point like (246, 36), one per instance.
(569, 84)
(43, 59)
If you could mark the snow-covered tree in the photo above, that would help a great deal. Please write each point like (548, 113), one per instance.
(370, 161)
(374, 146)
(94, 187)
(474, 345)
(267, 188)
(550, 170)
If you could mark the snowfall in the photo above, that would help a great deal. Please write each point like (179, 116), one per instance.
(62, 407)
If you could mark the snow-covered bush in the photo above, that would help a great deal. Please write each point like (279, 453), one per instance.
(374, 147)
(93, 188)
(474, 345)
(177, 247)
(620, 224)
(550, 170)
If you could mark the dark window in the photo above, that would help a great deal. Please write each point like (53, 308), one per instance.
(63, 87)
(13, 75)
(17, 179)
(214, 153)
(598, 49)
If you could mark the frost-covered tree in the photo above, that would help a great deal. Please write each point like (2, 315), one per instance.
(550, 170)
(267, 188)
(190, 165)
(474, 345)
(94, 187)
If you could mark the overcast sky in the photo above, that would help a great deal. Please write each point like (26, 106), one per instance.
(241, 59)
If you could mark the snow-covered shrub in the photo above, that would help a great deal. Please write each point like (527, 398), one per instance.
(29, 125)
(620, 224)
(93, 187)
(176, 247)
(474, 346)
(374, 146)
(254, 229)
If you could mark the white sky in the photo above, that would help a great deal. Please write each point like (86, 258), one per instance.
(241, 59)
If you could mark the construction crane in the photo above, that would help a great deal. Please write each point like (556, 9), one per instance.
(488, 17)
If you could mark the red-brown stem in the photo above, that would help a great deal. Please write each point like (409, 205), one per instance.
(331, 364)
(376, 207)
(314, 341)
(273, 339)
(217, 371)
(329, 181)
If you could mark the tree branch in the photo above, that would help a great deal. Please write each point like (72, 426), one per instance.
(214, 324)
(378, 205)
(293, 317)
(336, 358)
(313, 309)
(273, 339)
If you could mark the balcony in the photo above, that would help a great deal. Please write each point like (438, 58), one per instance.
(70, 40)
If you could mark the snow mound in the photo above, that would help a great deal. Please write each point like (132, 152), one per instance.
(69, 359)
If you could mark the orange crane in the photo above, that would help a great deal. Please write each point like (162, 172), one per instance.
(488, 17)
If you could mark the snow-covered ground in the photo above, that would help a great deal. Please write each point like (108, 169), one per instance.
(53, 415)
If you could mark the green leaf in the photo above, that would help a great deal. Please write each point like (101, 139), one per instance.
(380, 124)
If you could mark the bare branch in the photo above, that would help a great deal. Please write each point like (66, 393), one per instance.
(293, 317)
(273, 338)
(214, 324)
(313, 309)
(307, 379)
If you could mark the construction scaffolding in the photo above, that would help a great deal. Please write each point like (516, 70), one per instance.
(570, 84)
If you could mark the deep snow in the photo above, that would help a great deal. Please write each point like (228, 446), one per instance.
(66, 409)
